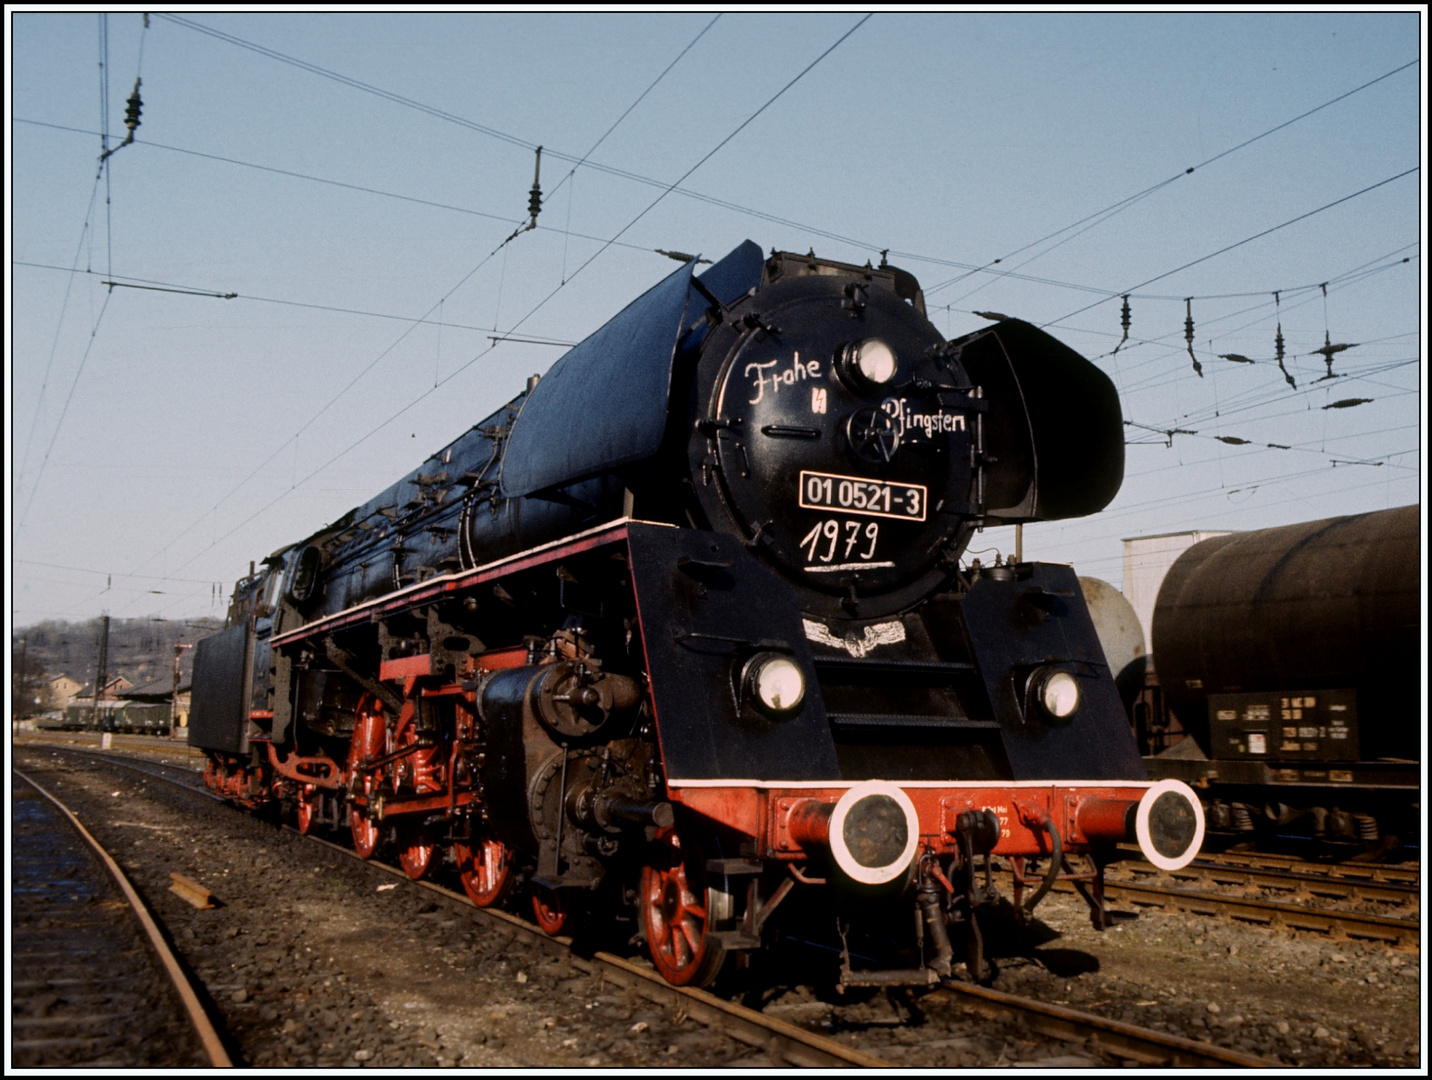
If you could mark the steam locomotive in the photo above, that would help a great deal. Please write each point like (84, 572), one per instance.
(680, 635)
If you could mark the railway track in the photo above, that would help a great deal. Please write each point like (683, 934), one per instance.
(1349, 870)
(792, 1044)
(796, 1046)
(147, 747)
(88, 983)
(1299, 883)
(1290, 914)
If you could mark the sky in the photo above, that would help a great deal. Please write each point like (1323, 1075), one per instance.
(306, 245)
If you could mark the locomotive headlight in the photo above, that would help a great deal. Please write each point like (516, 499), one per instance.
(875, 361)
(777, 683)
(1057, 693)
(867, 365)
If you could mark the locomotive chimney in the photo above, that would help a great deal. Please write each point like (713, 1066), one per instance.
(532, 381)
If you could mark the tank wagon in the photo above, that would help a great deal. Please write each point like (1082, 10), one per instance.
(680, 636)
(1290, 658)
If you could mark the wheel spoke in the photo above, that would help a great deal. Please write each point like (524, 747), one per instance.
(692, 933)
(680, 950)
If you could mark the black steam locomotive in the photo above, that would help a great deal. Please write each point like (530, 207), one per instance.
(681, 634)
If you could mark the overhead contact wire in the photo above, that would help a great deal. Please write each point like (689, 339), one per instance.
(59, 424)
(540, 304)
(854, 242)
(59, 325)
(1236, 244)
(360, 375)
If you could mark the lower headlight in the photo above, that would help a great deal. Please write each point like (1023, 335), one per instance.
(776, 683)
(1057, 693)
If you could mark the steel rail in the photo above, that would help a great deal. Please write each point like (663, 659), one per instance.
(1116, 1037)
(1342, 871)
(1270, 912)
(782, 1040)
(1386, 873)
(203, 1027)
(160, 751)
(133, 763)
(1294, 881)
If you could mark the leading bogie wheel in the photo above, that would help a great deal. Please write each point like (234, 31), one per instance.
(307, 800)
(550, 908)
(680, 910)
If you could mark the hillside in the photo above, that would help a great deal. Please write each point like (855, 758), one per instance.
(142, 650)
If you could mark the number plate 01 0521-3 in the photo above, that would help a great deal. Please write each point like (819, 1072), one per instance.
(859, 495)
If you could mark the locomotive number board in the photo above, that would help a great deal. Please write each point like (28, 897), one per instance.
(859, 495)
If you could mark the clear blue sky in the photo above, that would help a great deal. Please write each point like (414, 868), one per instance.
(160, 441)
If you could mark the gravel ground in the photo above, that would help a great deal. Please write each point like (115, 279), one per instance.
(1301, 998)
(1296, 998)
(317, 961)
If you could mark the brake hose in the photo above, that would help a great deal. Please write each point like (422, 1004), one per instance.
(1056, 860)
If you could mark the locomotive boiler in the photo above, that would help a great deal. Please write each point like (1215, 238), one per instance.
(1291, 659)
(681, 636)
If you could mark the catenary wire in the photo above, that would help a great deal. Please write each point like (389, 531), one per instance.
(540, 304)
(543, 301)
(60, 423)
(1123, 204)
(420, 321)
(1236, 244)
(860, 244)
(509, 220)
(402, 336)
(59, 325)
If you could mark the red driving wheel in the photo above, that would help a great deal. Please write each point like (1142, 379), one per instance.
(370, 741)
(484, 872)
(417, 845)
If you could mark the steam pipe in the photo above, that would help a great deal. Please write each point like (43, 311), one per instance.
(609, 808)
